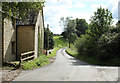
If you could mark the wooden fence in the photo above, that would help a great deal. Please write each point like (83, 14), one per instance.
(26, 56)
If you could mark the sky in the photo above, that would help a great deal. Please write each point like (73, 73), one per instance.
(82, 9)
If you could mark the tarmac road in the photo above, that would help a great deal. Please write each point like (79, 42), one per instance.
(67, 68)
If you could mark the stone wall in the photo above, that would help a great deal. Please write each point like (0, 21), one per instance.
(41, 34)
(9, 37)
(38, 28)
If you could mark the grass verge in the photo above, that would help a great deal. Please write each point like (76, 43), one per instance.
(40, 61)
(60, 42)
(91, 60)
(53, 54)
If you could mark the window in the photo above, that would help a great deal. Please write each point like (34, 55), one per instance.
(13, 47)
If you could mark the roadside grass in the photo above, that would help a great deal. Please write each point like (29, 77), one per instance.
(53, 54)
(60, 42)
(71, 52)
(91, 60)
(40, 61)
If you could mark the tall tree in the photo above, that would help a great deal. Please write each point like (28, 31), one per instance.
(70, 30)
(100, 22)
(69, 27)
(64, 21)
(81, 26)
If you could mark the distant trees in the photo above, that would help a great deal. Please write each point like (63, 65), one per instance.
(69, 29)
(64, 21)
(64, 34)
(73, 28)
(56, 34)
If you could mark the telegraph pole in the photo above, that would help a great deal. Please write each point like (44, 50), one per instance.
(47, 39)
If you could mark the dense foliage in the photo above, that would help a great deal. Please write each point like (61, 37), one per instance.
(21, 10)
(81, 26)
(109, 44)
(48, 39)
(101, 40)
(69, 30)
(73, 28)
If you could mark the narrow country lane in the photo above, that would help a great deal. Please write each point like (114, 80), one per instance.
(67, 68)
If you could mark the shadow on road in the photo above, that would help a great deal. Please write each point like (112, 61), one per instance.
(76, 62)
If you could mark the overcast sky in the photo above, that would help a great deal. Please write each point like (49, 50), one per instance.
(55, 9)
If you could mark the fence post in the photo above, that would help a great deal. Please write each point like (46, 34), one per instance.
(20, 61)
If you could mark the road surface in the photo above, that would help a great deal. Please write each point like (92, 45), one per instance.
(67, 68)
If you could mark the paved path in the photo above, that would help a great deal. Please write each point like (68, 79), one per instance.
(67, 68)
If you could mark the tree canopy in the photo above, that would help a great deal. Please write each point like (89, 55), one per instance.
(100, 22)
(101, 40)
(81, 26)
(69, 29)
(21, 9)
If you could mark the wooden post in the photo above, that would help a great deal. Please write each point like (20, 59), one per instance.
(47, 40)
(20, 61)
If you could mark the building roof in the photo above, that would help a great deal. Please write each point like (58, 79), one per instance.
(29, 20)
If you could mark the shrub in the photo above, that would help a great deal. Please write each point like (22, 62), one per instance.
(109, 45)
(80, 44)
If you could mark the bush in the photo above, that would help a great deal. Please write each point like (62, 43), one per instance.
(85, 45)
(42, 60)
(80, 44)
(109, 45)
